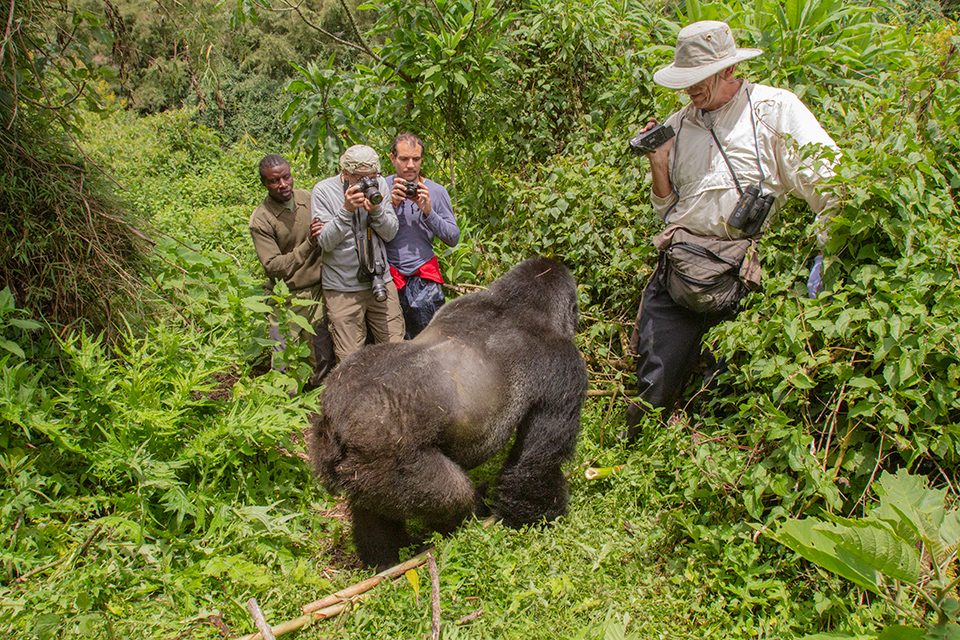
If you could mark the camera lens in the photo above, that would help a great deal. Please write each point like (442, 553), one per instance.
(373, 195)
(379, 289)
(368, 185)
(412, 188)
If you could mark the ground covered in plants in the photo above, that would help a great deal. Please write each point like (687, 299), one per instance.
(152, 471)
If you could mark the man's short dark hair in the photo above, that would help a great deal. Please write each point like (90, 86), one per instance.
(409, 138)
(271, 161)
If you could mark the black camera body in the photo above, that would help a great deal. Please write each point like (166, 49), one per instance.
(412, 189)
(371, 189)
(650, 141)
(751, 211)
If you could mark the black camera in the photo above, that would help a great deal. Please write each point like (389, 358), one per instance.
(751, 211)
(371, 189)
(412, 189)
(650, 141)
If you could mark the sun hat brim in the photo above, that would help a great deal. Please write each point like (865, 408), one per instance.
(674, 77)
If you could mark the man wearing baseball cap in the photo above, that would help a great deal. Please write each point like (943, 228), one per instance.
(357, 217)
(733, 138)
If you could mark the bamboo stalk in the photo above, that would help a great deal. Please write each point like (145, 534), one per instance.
(343, 594)
(298, 623)
(366, 585)
(333, 605)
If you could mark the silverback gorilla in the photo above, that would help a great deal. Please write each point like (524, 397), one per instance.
(402, 422)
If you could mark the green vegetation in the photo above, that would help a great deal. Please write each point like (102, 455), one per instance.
(151, 473)
(904, 548)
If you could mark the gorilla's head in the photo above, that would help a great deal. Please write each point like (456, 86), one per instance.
(542, 286)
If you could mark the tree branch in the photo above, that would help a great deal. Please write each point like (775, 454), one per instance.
(361, 45)
(356, 32)
(6, 34)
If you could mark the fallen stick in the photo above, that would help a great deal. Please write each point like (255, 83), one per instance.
(434, 597)
(259, 620)
(470, 617)
(366, 585)
(601, 393)
(298, 623)
(333, 605)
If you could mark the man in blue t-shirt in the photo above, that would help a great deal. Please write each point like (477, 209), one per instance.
(424, 210)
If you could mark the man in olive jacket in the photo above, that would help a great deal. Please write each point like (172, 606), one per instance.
(286, 244)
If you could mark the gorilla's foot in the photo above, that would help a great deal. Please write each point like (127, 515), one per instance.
(378, 540)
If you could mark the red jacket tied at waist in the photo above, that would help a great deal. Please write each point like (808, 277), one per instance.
(428, 271)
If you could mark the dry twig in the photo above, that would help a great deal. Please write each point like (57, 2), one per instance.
(366, 585)
(470, 617)
(334, 605)
(434, 596)
(259, 620)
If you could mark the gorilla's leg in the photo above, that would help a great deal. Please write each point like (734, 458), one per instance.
(436, 489)
(531, 486)
(378, 539)
(427, 485)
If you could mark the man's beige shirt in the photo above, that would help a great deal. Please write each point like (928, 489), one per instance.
(758, 118)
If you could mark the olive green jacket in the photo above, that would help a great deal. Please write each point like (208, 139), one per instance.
(282, 240)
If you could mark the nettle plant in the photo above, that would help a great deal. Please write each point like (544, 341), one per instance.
(904, 551)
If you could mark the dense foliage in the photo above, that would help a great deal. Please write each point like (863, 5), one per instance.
(67, 248)
(151, 484)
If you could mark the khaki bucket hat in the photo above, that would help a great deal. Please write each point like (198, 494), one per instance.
(703, 49)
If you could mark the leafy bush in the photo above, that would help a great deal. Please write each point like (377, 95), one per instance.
(904, 549)
(150, 473)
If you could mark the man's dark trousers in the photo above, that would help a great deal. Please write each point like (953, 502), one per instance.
(668, 344)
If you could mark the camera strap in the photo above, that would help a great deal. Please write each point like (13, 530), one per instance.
(708, 121)
(707, 118)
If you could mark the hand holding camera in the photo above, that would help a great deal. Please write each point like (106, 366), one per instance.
(403, 190)
(364, 191)
(412, 190)
(652, 137)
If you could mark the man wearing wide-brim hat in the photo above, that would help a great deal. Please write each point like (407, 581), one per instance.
(733, 138)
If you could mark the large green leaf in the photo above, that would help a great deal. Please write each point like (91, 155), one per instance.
(878, 548)
(814, 545)
(917, 512)
(900, 632)
(948, 631)
(908, 493)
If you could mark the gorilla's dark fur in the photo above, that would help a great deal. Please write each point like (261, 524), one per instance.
(402, 422)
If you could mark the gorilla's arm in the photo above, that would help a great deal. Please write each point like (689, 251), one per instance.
(531, 486)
